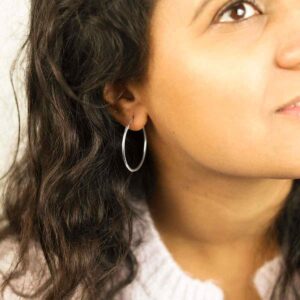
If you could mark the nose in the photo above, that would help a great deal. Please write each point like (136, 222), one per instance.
(288, 51)
(289, 56)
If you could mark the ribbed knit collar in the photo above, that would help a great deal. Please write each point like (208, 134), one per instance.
(162, 278)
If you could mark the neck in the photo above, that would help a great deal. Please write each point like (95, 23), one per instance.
(206, 221)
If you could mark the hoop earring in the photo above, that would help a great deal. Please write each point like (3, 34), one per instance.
(123, 149)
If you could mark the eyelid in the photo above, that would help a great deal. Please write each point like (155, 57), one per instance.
(231, 4)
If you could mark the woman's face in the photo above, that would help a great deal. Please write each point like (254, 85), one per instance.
(216, 82)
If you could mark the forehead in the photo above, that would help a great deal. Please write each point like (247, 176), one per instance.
(178, 6)
(175, 15)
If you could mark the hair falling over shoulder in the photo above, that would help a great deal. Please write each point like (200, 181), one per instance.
(70, 192)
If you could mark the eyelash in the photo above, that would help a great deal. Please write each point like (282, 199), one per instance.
(232, 4)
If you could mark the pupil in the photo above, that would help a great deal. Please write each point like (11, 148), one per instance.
(239, 8)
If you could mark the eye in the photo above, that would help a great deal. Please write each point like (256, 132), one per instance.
(237, 11)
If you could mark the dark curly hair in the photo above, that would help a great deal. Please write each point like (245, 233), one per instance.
(70, 192)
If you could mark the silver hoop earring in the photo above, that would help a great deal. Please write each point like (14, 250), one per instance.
(123, 149)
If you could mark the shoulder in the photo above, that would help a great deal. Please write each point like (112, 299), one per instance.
(27, 282)
(8, 253)
(35, 274)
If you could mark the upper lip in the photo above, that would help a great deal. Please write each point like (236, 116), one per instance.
(293, 101)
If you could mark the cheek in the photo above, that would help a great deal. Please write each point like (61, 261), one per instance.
(211, 108)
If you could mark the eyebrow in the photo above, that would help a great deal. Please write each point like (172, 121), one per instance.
(200, 9)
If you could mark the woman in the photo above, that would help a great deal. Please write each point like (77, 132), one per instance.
(162, 155)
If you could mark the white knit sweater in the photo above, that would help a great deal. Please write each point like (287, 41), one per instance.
(159, 276)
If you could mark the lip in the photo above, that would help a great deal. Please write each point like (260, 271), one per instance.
(291, 102)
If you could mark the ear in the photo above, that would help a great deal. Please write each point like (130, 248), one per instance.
(125, 105)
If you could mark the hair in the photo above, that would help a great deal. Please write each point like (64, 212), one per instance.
(70, 192)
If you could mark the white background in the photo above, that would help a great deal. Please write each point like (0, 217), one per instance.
(13, 31)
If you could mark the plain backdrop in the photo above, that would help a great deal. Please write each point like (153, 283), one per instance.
(14, 17)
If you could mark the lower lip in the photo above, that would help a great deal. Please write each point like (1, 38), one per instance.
(295, 111)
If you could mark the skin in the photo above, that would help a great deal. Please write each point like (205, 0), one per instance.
(225, 159)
